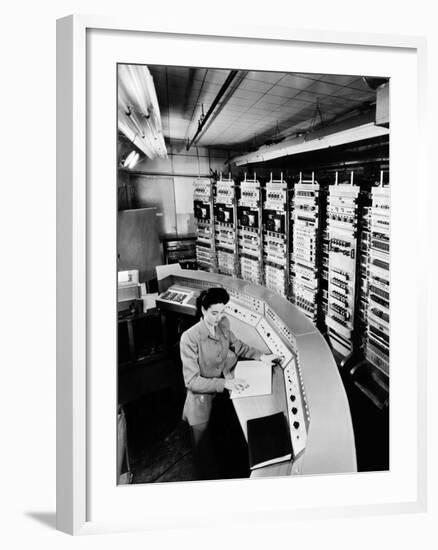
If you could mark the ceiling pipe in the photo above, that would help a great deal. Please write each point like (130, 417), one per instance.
(216, 100)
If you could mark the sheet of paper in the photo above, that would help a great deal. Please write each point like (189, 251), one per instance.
(149, 301)
(257, 374)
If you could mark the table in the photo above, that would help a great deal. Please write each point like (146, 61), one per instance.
(330, 446)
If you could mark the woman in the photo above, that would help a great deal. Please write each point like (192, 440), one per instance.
(209, 352)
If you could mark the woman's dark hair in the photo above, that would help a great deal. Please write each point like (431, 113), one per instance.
(211, 296)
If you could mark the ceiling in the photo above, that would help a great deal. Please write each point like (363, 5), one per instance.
(258, 107)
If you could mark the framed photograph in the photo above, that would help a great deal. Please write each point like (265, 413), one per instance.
(253, 196)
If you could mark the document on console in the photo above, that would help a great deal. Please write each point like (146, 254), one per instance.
(258, 376)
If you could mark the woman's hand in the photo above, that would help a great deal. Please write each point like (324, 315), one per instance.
(270, 358)
(236, 384)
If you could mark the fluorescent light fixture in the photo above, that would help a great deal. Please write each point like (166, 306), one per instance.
(303, 145)
(134, 160)
(131, 160)
(138, 110)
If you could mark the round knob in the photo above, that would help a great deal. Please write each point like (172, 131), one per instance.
(292, 397)
(268, 334)
(296, 425)
(294, 410)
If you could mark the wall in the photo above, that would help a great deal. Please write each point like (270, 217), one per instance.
(138, 246)
(167, 184)
(198, 161)
(124, 191)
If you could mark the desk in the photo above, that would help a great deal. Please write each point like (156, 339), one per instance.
(330, 446)
(263, 405)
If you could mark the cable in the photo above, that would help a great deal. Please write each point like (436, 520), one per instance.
(199, 166)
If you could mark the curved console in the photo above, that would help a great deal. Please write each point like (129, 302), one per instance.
(306, 386)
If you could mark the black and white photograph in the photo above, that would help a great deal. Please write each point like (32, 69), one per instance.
(226, 217)
(253, 261)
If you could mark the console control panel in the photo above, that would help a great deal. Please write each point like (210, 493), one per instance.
(297, 409)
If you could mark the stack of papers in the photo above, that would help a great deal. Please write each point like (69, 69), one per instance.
(257, 374)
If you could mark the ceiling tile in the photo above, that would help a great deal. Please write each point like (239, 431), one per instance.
(339, 80)
(323, 88)
(276, 101)
(293, 106)
(284, 91)
(296, 81)
(311, 76)
(331, 100)
(271, 101)
(359, 84)
(246, 94)
(262, 108)
(226, 116)
(265, 76)
(256, 86)
(306, 97)
(350, 94)
(240, 101)
(234, 109)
